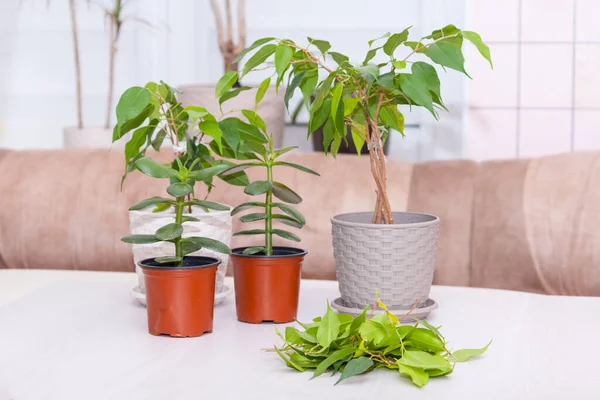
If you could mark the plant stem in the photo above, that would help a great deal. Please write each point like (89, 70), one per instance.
(75, 33)
(269, 212)
(179, 219)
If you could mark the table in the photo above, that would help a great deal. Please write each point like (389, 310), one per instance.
(79, 335)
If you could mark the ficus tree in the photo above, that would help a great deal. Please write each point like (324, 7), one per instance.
(260, 150)
(364, 96)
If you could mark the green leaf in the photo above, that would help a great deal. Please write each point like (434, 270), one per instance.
(158, 140)
(281, 152)
(245, 206)
(391, 117)
(150, 202)
(448, 30)
(332, 359)
(466, 354)
(284, 219)
(232, 93)
(483, 49)
(399, 64)
(309, 84)
(355, 367)
(338, 57)
(253, 217)
(447, 55)
(336, 96)
(210, 244)
(250, 232)
(133, 108)
(139, 137)
(358, 321)
(140, 239)
(282, 192)
(292, 212)
(161, 207)
(288, 361)
(289, 91)
(169, 231)
(294, 336)
(286, 235)
(151, 168)
(254, 45)
(385, 35)
(211, 129)
(417, 90)
(427, 74)
(297, 166)
(253, 250)
(211, 205)
(421, 359)
(240, 167)
(358, 139)
(283, 56)
(189, 247)
(426, 340)
(258, 58)
(350, 104)
(234, 127)
(258, 187)
(226, 83)
(329, 328)
(170, 259)
(318, 118)
(189, 218)
(417, 375)
(370, 55)
(207, 173)
(179, 189)
(394, 41)
(255, 119)
(322, 45)
(262, 89)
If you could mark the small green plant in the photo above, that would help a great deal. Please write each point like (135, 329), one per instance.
(364, 96)
(261, 150)
(183, 182)
(353, 346)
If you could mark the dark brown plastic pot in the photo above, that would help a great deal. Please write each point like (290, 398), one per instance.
(267, 287)
(180, 299)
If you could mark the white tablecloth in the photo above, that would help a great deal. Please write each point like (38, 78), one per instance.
(80, 336)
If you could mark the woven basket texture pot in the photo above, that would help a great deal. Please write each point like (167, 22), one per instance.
(214, 225)
(397, 261)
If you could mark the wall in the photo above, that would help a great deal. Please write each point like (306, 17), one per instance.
(37, 74)
(542, 97)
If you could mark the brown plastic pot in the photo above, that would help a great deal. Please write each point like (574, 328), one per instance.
(180, 299)
(267, 287)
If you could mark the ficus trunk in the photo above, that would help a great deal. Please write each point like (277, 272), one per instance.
(75, 35)
(383, 209)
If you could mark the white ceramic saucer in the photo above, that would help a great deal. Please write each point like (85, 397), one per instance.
(137, 294)
(420, 313)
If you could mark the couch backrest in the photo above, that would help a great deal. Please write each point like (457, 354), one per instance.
(518, 224)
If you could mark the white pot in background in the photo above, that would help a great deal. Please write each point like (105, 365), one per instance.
(90, 138)
(271, 108)
(213, 224)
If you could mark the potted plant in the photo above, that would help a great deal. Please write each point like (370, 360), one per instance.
(180, 288)
(81, 136)
(267, 277)
(386, 250)
(271, 107)
(153, 116)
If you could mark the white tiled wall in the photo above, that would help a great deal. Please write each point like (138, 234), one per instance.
(542, 97)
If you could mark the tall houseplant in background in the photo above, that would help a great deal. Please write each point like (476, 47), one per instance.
(267, 277)
(153, 116)
(97, 136)
(394, 252)
(230, 46)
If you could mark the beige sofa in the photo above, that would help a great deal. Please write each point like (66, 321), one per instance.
(527, 225)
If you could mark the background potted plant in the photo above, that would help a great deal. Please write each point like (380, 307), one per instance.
(153, 115)
(180, 288)
(267, 277)
(392, 251)
(82, 136)
(271, 107)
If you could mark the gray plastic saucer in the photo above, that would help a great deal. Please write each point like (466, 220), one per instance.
(419, 313)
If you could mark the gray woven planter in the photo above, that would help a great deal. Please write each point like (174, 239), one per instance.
(396, 260)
